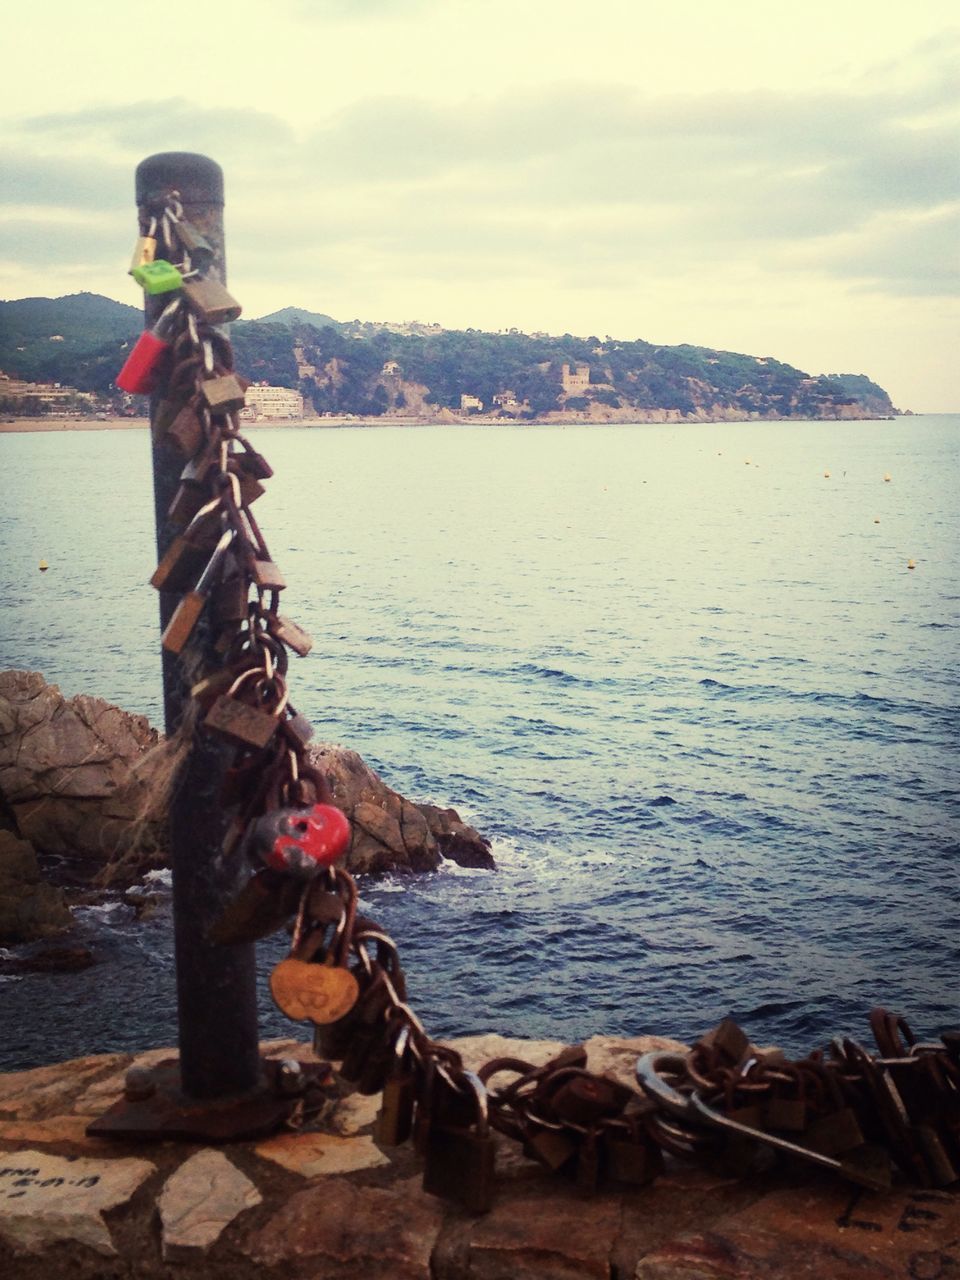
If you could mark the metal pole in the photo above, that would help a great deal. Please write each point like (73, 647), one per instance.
(216, 985)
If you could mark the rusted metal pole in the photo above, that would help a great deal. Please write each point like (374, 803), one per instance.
(216, 985)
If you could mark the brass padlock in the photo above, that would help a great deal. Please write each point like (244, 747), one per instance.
(189, 551)
(187, 613)
(266, 575)
(241, 723)
(290, 634)
(211, 301)
(145, 250)
(223, 393)
(186, 431)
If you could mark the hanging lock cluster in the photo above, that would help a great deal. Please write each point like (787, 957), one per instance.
(221, 568)
(857, 1115)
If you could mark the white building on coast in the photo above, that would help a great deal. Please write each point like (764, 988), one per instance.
(267, 402)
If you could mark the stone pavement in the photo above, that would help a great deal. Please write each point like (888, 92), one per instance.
(329, 1204)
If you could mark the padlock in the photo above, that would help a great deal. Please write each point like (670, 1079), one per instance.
(211, 301)
(726, 1039)
(459, 1162)
(306, 988)
(394, 1122)
(223, 393)
(552, 1146)
(266, 575)
(629, 1154)
(290, 633)
(297, 729)
(197, 245)
(187, 613)
(189, 551)
(144, 251)
(229, 602)
(250, 487)
(143, 366)
(263, 905)
(241, 723)
(158, 276)
(252, 462)
(300, 842)
(583, 1098)
(186, 431)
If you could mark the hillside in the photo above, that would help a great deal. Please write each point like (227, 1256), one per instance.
(374, 370)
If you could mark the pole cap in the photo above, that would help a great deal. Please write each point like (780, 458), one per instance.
(198, 178)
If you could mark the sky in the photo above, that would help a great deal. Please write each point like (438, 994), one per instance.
(773, 178)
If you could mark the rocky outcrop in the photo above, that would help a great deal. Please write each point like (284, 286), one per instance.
(29, 907)
(391, 833)
(79, 781)
(76, 774)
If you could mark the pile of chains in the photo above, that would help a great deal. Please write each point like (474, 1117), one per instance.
(724, 1101)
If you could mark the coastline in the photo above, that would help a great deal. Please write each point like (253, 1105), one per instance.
(22, 425)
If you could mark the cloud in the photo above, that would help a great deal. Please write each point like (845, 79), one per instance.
(552, 182)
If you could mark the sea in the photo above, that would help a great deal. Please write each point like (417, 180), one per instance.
(697, 684)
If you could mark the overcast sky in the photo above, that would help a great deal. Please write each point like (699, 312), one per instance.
(755, 175)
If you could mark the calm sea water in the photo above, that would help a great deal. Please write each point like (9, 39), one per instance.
(683, 680)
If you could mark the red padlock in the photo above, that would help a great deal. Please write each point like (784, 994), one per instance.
(300, 842)
(141, 369)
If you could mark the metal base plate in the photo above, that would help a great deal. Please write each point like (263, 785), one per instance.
(168, 1113)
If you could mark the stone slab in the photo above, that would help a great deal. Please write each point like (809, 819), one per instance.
(315, 1155)
(560, 1236)
(336, 1230)
(834, 1231)
(45, 1090)
(45, 1198)
(199, 1201)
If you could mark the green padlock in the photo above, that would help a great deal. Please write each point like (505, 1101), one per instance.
(157, 277)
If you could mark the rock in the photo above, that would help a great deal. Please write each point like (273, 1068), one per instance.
(51, 960)
(198, 1201)
(391, 833)
(339, 1231)
(77, 773)
(42, 1090)
(46, 1198)
(316, 1154)
(29, 908)
(80, 779)
(831, 1230)
(455, 840)
(554, 1234)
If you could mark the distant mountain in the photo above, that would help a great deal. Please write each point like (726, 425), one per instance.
(369, 369)
(297, 315)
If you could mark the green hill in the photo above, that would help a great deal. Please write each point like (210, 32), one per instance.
(369, 370)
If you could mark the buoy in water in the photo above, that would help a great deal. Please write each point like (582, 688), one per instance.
(876, 519)
(826, 475)
(43, 566)
(911, 564)
(886, 477)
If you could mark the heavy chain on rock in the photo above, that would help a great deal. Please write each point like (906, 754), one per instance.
(844, 1110)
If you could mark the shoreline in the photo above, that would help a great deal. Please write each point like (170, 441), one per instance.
(19, 426)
